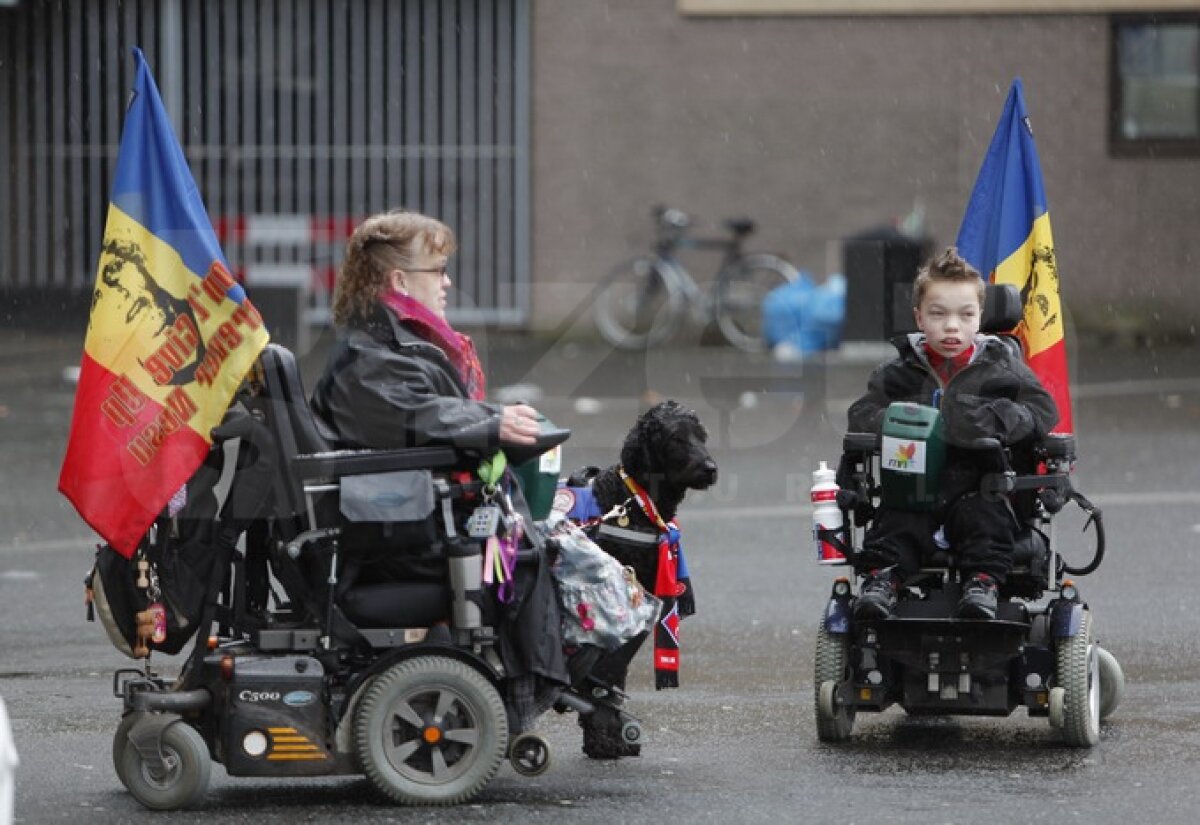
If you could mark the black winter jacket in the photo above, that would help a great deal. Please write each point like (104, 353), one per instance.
(386, 387)
(995, 396)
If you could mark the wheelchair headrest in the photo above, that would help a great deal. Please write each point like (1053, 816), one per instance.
(1002, 309)
(289, 403)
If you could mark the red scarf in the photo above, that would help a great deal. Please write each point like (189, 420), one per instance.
(666, 587)
(432, 328)
(947, 368)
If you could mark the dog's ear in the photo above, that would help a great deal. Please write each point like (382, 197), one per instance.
(637, 453)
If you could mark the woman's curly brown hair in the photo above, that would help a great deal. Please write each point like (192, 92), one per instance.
(383, 243)
(947, 266)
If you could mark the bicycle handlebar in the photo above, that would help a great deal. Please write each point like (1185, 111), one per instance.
(673, 222)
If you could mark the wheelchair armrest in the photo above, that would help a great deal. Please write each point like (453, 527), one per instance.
(1058, 445)
(860, 443)
(358, 462)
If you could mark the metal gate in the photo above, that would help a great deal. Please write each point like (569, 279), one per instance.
(291, 112)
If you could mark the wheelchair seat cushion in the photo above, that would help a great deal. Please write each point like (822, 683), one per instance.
(397, 604)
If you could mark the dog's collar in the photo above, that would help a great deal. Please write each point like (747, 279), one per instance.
(644, 501)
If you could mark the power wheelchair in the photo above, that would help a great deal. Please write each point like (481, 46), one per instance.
(314, 669)
(1039, 651)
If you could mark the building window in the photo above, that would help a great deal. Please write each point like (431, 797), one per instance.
(1155, 100)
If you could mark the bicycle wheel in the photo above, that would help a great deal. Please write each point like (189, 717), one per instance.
(741, 289)
(640, 304)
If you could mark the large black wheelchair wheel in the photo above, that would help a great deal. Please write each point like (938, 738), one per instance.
(430, 731)
(1077, 673)
(834, 721)
(179, 781)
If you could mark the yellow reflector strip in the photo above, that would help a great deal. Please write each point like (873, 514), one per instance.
(304, 747)
(282, 730)
(295, 757)
(290, 738)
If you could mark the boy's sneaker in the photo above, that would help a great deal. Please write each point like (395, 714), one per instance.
(978, 599)
(877, 599)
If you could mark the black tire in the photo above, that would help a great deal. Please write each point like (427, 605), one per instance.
(1112, 683)
(529, 755)
(834, 722)
(182, 784)
(430, 731)
(740, 293)
(120, 740)
(640, 305)
(1077, 672)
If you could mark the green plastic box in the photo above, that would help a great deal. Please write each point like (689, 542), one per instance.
(539, 477)
(911, 456)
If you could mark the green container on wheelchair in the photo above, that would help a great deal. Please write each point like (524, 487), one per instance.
(911, 456)
(539, 477)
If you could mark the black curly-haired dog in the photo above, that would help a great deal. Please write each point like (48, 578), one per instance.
(666, 453)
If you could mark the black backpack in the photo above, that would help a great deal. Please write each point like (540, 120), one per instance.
(180, 553)
(176, 557)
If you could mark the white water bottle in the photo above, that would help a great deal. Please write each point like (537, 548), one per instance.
(827, 517)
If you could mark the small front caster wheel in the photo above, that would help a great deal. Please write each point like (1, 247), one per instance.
(529, 755)
(178, 780)
(1057, 695)
(631, 732)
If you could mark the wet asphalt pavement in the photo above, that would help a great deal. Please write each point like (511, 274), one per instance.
(737, 742)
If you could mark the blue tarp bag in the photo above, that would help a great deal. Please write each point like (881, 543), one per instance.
(803, 317)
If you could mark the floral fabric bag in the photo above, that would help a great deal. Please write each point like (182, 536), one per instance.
(601, 602)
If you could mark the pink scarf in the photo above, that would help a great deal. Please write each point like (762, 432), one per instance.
(458, 347)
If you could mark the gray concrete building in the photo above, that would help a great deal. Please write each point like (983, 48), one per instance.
(820, 126)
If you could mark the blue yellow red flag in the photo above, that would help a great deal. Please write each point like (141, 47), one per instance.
(170, 336)
(1005, 234)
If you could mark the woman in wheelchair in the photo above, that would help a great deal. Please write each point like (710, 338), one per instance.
(984, 391)
(399, 376)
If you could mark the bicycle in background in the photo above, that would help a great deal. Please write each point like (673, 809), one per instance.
(643, 302)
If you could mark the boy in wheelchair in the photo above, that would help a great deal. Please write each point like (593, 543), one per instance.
(984, 391)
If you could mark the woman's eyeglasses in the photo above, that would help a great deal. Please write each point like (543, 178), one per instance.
(440, 271)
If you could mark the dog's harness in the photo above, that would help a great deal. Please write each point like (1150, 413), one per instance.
(578, 503)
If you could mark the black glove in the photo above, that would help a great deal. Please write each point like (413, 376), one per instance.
(968, 417)
(1016, 422)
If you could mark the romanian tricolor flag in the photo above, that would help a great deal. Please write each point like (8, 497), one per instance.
(1005, 234)
(169, 339)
